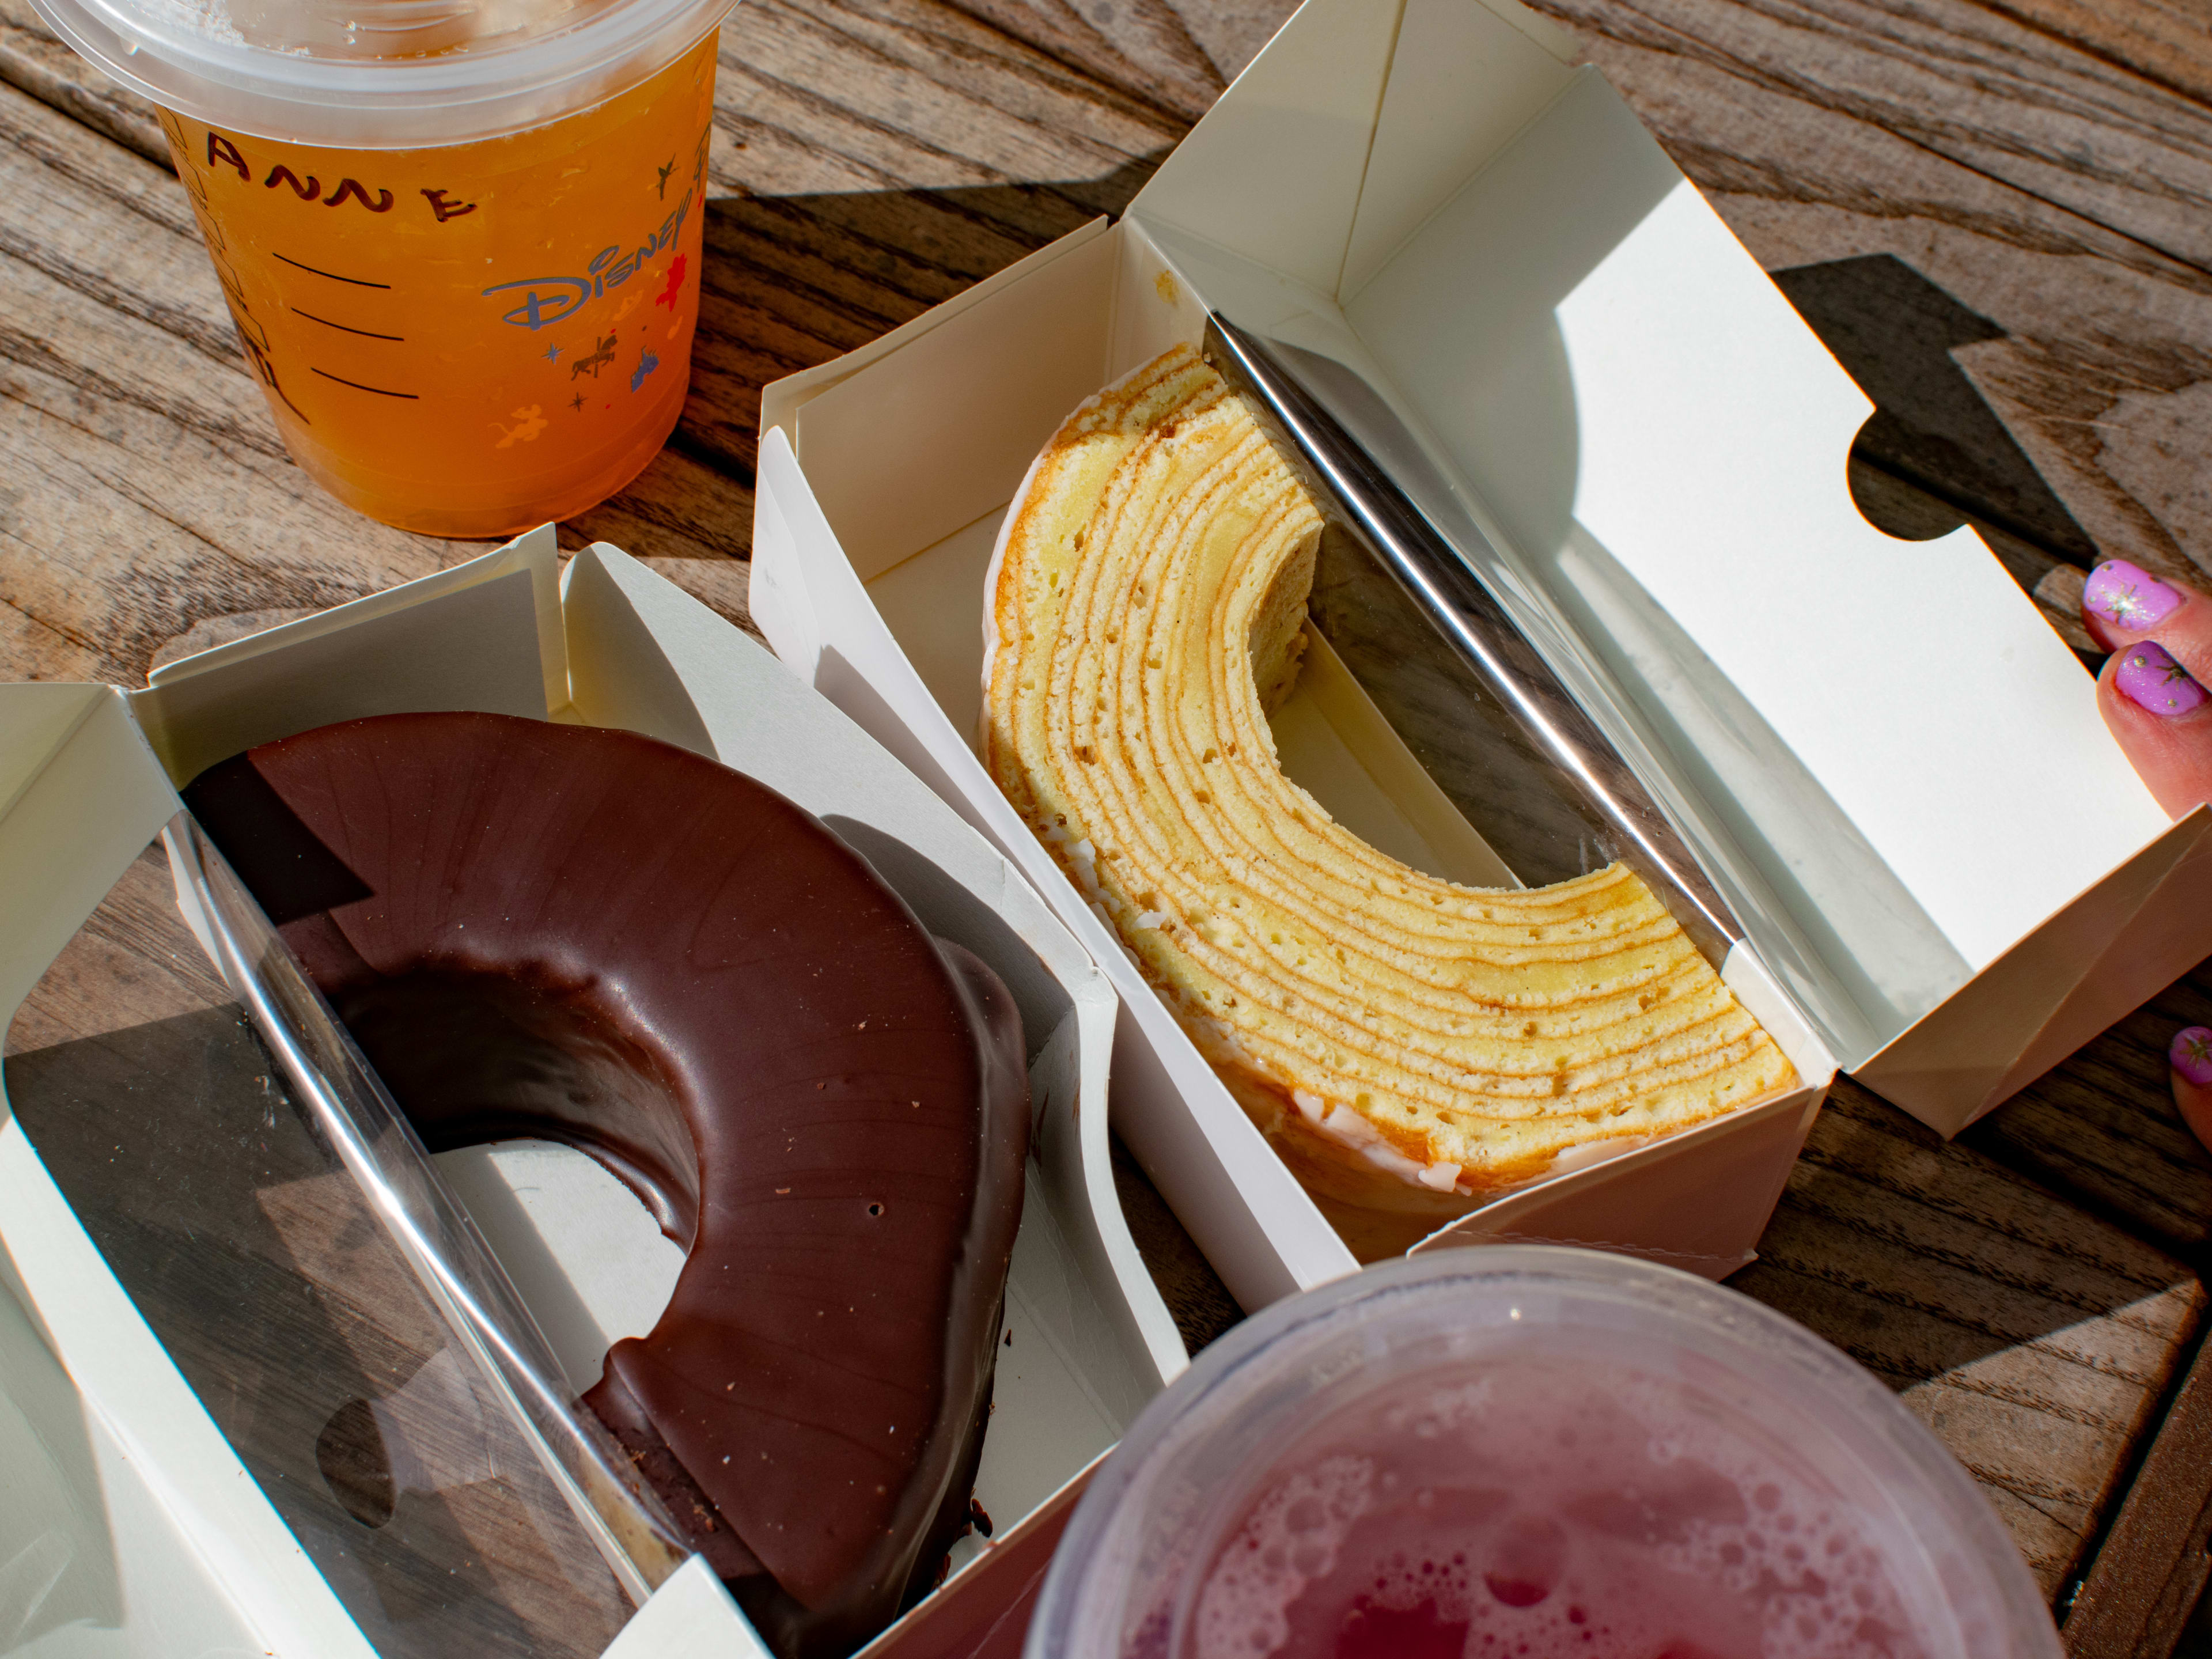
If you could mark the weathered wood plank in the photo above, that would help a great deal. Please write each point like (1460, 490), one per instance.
(2158, 40)
(34, 60)
(2155, 1566)
(1141, 47)
(1178, 54)
(2000, 98)
(2035, 1339)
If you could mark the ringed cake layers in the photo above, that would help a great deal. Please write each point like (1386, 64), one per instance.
(588, 936)
(1407, 1044)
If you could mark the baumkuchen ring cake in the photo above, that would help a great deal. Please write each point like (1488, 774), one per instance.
(1407, 1044)
(591, 937)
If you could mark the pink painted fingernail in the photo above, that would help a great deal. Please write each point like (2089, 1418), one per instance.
(2150, 678)
(2191, 1053)
(2128, 596)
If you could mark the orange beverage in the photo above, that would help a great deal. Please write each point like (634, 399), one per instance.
(470, 339)
(461, 238)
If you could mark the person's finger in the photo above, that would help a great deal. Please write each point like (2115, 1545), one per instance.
(2152, 691)
(2121, 603)
(2191, 1057)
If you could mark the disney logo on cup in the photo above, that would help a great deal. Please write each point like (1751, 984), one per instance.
(549, 300)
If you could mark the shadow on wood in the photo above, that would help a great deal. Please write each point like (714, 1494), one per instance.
(2156, 1561)
(2101, 1128)
(793, 281)
(1894, 332)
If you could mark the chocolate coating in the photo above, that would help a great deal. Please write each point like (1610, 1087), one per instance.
(588, 936)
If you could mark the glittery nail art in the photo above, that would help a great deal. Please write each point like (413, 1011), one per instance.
(2128, 596)
(2150, 678)
(2191, 1053)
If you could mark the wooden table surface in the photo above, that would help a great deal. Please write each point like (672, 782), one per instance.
(1994, 212)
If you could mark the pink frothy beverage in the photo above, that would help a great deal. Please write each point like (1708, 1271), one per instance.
(1527, 1509)
(1516, 1453)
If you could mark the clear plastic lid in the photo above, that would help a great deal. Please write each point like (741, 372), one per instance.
(1524, 1451)
(381, 74)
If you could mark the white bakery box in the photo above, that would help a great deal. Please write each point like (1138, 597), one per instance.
(1945, 873)
(202, 1260)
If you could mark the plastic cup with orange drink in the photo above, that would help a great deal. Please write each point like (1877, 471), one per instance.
(460, 241)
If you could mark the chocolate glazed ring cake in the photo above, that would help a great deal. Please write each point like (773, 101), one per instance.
(587, 936)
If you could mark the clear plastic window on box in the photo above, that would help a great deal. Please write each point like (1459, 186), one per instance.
(280, 1228)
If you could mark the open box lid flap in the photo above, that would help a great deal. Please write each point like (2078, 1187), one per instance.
(2097, 958)
(1845, 725)
(1350, 127)
(486, 635)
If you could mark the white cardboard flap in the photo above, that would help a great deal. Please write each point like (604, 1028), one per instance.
(534, 551)
(2099, 957)
(85, 786)
(1377, 112)
(1463, 79)
(691, 1616)
(779, 399)
(486, 635)
(1846, 723)
(891, 495)
(1703, 1191)
(1303, 109)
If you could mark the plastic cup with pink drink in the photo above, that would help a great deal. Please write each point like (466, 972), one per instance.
(1530, 1453)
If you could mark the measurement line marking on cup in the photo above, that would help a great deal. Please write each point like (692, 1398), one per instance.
(358, 282)
(358, 387)
(349, 328)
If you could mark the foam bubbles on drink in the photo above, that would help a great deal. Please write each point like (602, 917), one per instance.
(1544, 1511)
(1291, 1537)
